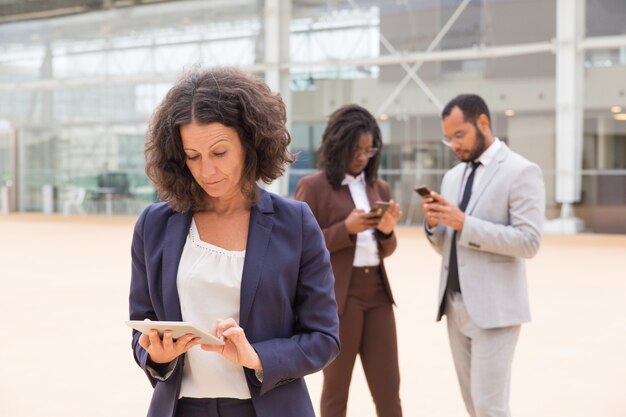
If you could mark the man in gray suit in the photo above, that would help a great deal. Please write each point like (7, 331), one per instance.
(486, 220)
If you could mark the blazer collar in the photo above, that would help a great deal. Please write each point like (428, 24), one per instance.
(264, 204)
(175, 237)
(259, 232)
(487, 176)
(349, 179)
(370, 191)
(372, 195)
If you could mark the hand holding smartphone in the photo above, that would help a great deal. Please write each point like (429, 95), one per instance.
(379, 208)
(423, 191)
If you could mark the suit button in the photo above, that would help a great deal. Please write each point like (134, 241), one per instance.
(367, 270)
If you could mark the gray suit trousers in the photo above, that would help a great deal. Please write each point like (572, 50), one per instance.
(482, 358)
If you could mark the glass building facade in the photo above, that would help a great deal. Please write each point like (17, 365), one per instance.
(78, 85)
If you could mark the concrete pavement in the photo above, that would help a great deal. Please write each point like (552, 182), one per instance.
(66, 351)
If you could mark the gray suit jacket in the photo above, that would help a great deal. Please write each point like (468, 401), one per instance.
(503, 225)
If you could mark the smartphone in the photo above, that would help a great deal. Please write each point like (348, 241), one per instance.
(380, 207)
(423, 191)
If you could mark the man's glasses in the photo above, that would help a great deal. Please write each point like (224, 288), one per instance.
(369, 152)
(457, 137)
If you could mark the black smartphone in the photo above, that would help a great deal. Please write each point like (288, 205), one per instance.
(423, 191)
(380, 207)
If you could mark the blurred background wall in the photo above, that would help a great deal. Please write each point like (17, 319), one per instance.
(79, 80)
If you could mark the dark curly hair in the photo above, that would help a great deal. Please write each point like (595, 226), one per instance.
(224, 95)
(340, 142)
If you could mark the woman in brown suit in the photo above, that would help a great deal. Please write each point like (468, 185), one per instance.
(341, 197)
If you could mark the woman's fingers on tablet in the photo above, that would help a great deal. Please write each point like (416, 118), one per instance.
(168, 342)
(235, 333)
(224, 325)
(186, 342)
(155, 339)
(212, 348)
(191, 343)
(144, 341)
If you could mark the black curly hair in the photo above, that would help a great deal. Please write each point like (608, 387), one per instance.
(340, 142)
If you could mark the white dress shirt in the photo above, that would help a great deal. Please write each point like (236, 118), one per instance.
(366, 253)
(209, 286)
(485, 159)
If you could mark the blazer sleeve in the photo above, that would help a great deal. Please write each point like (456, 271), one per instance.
(522, 236)
(436, 235)
(139, 299)
(315, 341)
(336, 235)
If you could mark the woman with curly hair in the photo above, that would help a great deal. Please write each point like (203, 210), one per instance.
(341, 198)
(222, 253)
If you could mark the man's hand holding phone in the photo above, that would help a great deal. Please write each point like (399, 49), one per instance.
(430, 205)
(423, 191)
(429, 200)
(438, 210)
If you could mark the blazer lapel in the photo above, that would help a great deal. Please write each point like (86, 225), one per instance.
(487, 176)
(175, 237)
(347, 196)
(453, 192)
(259, 233)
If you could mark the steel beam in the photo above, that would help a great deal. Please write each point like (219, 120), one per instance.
(603, 42)
(480, 52)
(412, 72)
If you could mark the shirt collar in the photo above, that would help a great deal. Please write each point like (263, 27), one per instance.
(490, 153)
(349, 179)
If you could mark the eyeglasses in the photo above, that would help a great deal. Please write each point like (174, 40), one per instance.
(369, 152)
(457, 137)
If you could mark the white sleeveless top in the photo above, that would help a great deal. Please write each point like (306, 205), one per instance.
(209, 285)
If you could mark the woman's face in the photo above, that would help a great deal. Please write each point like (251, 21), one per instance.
(215, 156)
(360, 158)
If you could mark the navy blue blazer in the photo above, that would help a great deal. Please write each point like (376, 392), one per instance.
(287, 308)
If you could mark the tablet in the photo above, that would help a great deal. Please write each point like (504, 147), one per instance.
(178, 328)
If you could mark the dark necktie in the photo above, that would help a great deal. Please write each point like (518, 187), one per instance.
(453, 267)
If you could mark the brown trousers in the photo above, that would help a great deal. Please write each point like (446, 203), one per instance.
(367, 327)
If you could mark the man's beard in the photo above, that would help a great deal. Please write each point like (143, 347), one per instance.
(479, 148)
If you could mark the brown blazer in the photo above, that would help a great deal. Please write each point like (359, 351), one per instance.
(331, 207)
